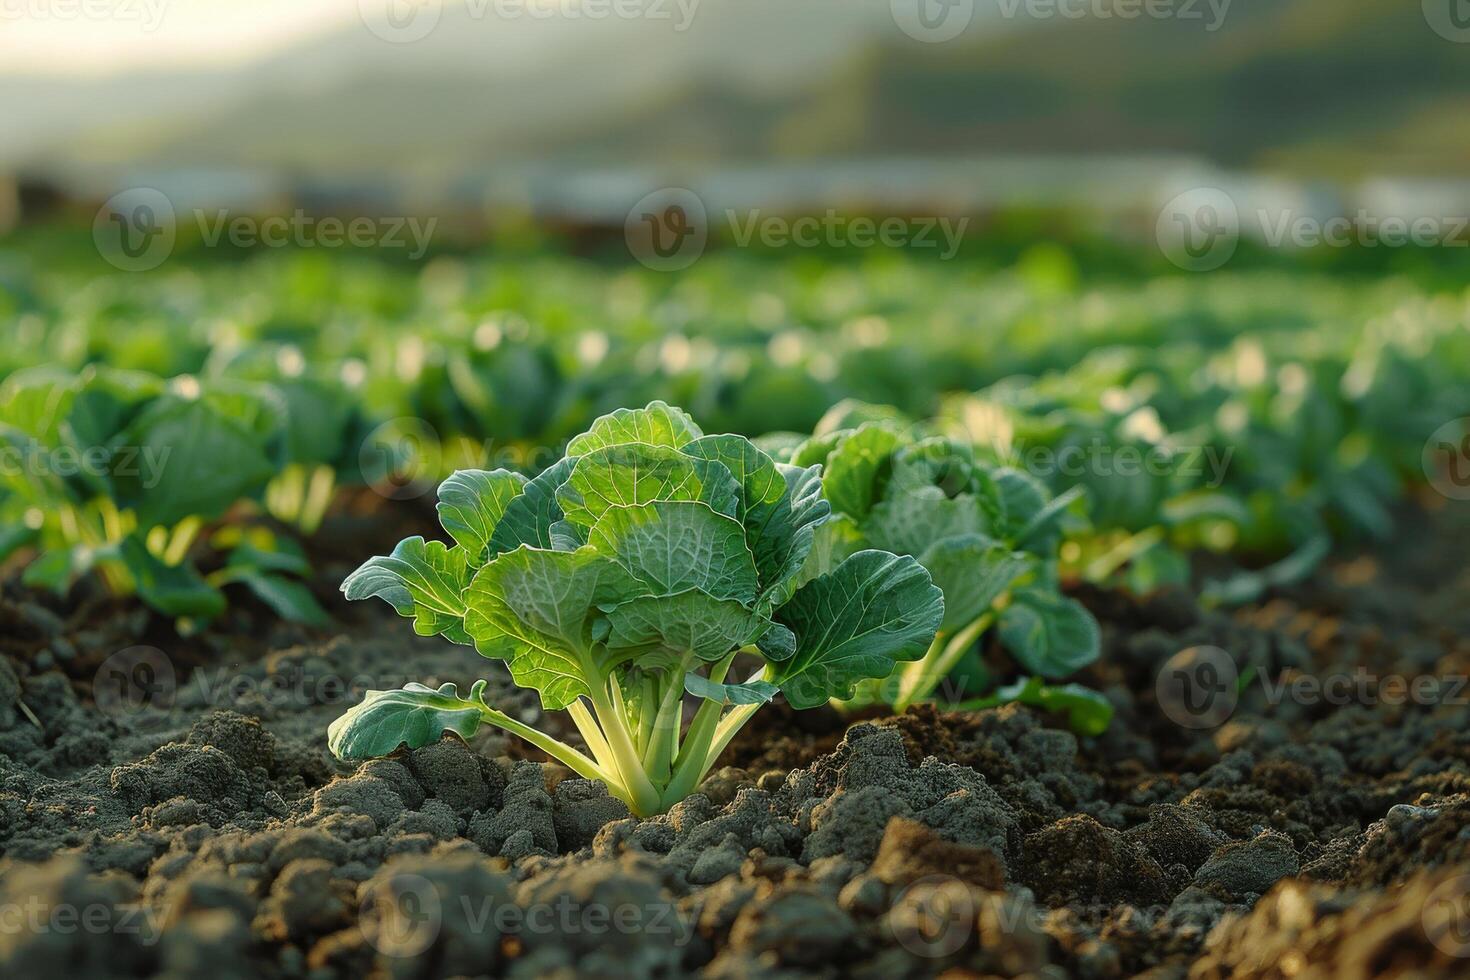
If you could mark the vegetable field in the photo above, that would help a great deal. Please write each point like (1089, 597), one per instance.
(524, 611)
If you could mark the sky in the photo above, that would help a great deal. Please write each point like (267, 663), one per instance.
(81, 37)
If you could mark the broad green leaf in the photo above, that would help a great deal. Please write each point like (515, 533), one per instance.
(1047, 633)
(534, 609)
(690, 621)
(317, 416)
(750, 692)
(837, 539)
(815, 450)
(781, 535)
(57, 569)
(777, 643)
(411, 718)
(760, 481)
(626, 476)
(288, 597)
(35, 400)
(911, 521)
(855, 622)
(672, 546)
(1023, 498)
(853, 467)
(471, 504)
(528, 517)
(421, 579)
(657, 424)
(566, 536)
(189, 460)
(106, 400)
(1041, 531)
(972, 571)
(1087, 711)
(935, 462)
(175, 590)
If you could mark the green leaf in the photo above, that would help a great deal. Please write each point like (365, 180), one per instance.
(777, 643)
(692, 621)
(1040, 532)
(750, 692)
(855, 622)
(815, 450)
(853, 467)
(421, 579)
(1022, 502)
(106, 400)
(291, 599)
(837, 539)
(657, 424)
(175, 590)
(781, 535)
(57, 569)
(909, 522)
(1087, 711)
(626, 476)
(529, 517)
(672, 546)
(760, 482)
(412, 717)
(534, 609)
(471, 504)
(972, 571)
(188, 460)
(1047, 633)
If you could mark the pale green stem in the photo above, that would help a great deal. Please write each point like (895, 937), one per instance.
(318, 498)
(644, 799)
(689, 765)
(182, 538)
(658, 756)
(591, 734)
(560, 751)
(648, 686)
(725, 732)
(922, 676)
(1101, 567)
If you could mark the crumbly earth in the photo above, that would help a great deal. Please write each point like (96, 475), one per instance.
(198, 826)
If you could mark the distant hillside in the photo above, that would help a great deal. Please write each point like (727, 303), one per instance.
(1331, 87)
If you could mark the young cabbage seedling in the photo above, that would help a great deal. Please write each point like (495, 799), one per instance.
(633, 572)
(988, 535)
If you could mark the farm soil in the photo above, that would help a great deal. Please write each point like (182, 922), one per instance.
(203, 828)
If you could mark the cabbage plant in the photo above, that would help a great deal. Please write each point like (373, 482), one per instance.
(988, 535)
(647, 565)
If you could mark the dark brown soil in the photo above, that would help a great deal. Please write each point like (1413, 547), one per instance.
(175, 812)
